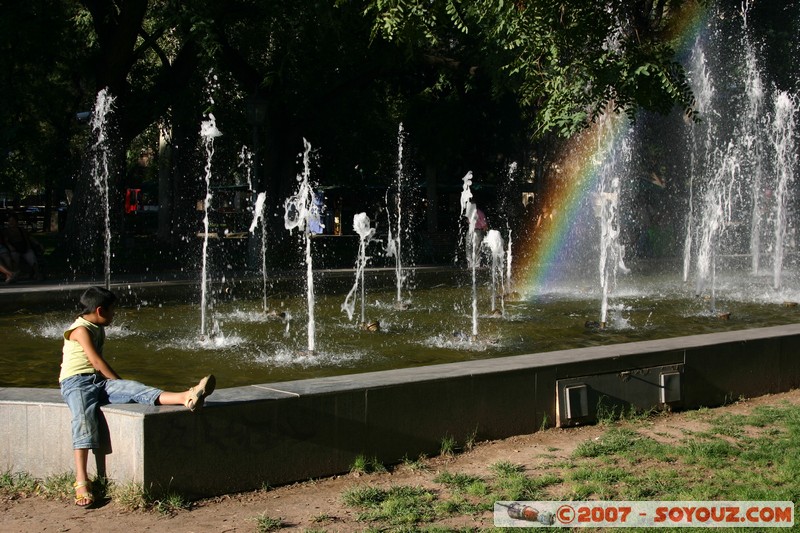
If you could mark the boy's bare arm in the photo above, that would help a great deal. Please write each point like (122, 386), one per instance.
(81, 335)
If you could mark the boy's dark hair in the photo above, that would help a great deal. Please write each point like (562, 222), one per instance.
(95, 297)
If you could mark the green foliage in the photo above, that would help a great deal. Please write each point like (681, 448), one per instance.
(265, 523)
(60, 486)
(17, 483)
(130, 496)
(461, 482)
(448, 446)
(398, 505)
(616, 440)
(416, 465)
(506, 468)
(366, 465)
(170, 503)
(565, 62)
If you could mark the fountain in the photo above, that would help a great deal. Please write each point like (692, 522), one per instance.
(469, 212)
(721, 220)
(784, 146)
(259, 211)
(512, 171)
(300, 213)
(394, 240)
(740, 164)
(365, 233)
(494, 242)
(208, 131)
(607, 199)
(103, 106)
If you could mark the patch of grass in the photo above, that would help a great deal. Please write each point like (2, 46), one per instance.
(460, 482)
(18, 483)
(363, 496)
(170, 503)
(457, 506)
(323, 518)
(545, 422)
(367, 465)
(730, 425)
(767, 415)
(469, 442)
(417, 465)
(701, 413)
(582, 492)
(265, 523)
(512, 484)
(608, 475)
(506, 468)
(608, 413)
(711, 453)
(616, 440)
(131, 496)
(399, 505)
(60, 486)
(516, 487)
(653, 484)
(448, 446)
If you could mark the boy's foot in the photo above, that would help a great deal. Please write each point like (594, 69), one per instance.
(83, 493)
(198, 393)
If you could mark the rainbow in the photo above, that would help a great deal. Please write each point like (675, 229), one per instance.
(564, 211)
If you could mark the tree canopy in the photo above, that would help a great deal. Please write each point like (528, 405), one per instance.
(472, 80)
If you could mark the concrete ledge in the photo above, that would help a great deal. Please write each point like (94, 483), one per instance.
(278, 433)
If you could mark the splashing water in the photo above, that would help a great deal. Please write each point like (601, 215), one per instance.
(785, 161)
(607, 202)
(512, 172)
(469, 211)
(703, 89)
(102, 109)
(753, 144)
(494, 242)
(246, 163)
(301, 212)
(209, 132)
(259, 210)
(361, 225)
(716, 218)
(394, 241)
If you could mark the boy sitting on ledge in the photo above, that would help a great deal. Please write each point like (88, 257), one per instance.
(88, 382)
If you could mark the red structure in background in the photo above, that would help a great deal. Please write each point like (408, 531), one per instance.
(132, 199)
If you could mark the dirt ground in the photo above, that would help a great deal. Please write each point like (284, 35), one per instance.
(317, 505)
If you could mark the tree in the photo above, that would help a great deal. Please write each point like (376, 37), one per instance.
(40, 91)
(565, 61)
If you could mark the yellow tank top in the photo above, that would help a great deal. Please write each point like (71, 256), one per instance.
(73, 358)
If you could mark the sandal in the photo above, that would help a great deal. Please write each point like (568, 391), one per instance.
(86, 497)
(198, 393)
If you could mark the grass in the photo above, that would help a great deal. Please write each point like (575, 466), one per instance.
(448, 446)
(399, 505)
(366, 465)
(624, 463)
(18, 484)
(266, 523)
(130, 496)
(416, 465)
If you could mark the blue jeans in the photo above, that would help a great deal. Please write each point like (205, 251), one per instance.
(86, 393)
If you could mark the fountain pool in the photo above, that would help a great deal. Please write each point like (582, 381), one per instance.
(725, 186)
(155, 339)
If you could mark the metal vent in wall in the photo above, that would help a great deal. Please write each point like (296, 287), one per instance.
(582, 400)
